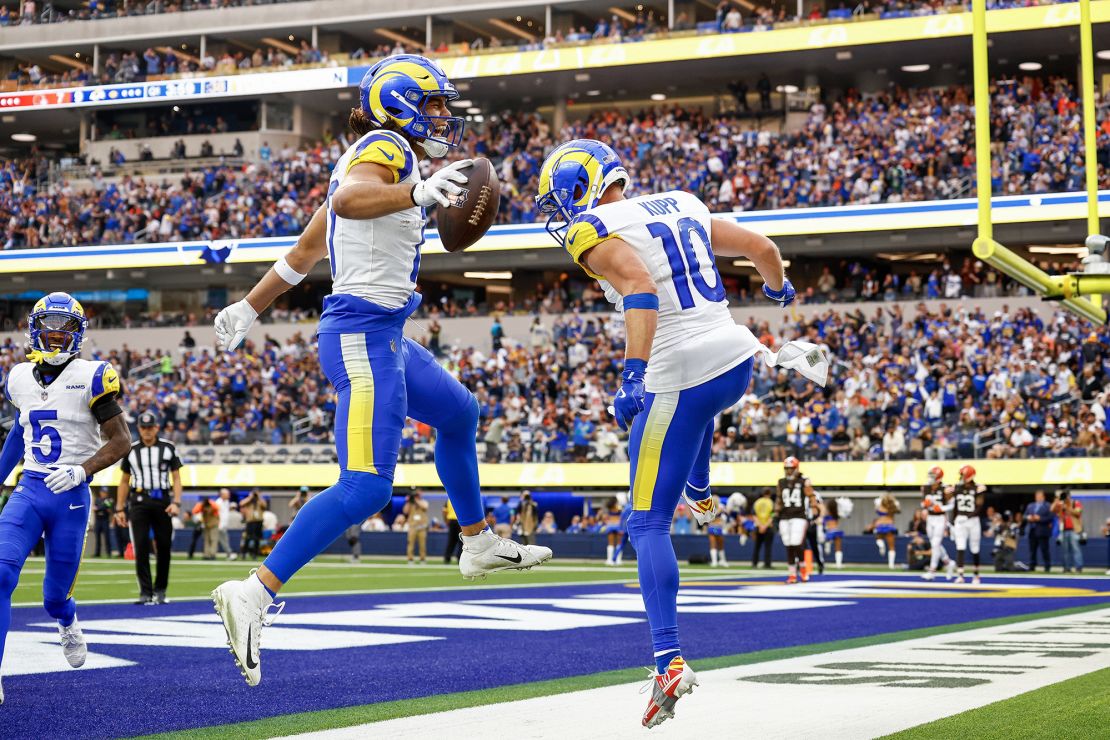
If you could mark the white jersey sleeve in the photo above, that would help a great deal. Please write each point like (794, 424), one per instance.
(696, 338)
(377, 258)
(59, 427)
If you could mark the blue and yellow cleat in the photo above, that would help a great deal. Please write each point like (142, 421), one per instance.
(666, 689)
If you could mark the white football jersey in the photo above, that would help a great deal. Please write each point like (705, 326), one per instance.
(377, 258)
(59, 427)
(696, 338)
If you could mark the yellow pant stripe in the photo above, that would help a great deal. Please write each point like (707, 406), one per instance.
(360, 414)
(84, 542)
(651, 449)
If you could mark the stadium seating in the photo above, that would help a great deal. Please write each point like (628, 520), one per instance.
(727, 163)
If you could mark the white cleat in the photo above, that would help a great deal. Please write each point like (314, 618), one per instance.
(243, 618)
(73, 644)
(960, 579)
(722, 564)
(950, 572)
(929, 575)
(976, 582)
(704, 509)
(491, 553)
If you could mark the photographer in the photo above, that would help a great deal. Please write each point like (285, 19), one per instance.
(252, 508)
(416, 514)
(1070, 514)
(528, 518)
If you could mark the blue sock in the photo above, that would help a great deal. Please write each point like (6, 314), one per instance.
(664, 657)
(456, 459)
(657, 567)
(696, 492)
(353, 498)
(9, 577)
(63, 610)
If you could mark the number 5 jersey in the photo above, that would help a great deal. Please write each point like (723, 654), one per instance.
(696, 338)
(59, 423)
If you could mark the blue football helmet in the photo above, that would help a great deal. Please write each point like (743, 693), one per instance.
(56, 328)
(397, 89)
(573, 178)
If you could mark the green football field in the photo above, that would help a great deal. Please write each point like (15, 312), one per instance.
(113, 579)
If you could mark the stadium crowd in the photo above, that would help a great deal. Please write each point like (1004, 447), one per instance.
(906, 145)
(905, 382)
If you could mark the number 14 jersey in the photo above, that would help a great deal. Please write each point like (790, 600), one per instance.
(696, 339)
(59, 427)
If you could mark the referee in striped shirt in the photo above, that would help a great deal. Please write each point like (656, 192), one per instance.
(151, 476)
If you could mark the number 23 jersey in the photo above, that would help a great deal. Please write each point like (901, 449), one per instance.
(59, 427)
(696, 338)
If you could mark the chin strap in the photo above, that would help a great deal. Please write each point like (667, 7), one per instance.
(38, 356)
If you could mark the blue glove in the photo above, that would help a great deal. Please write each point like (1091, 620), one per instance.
(782, 297)
(629, 400)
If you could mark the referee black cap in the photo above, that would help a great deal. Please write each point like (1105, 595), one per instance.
(148, 419)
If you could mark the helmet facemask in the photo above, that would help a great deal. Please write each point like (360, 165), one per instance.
(56, 336)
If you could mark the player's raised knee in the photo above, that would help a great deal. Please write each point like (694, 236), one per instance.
(365, 494)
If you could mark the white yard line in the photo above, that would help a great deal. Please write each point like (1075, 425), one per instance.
(856, 693)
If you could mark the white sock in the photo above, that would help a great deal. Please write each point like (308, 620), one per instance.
(712, 556)
(882, 547)
(839, 558)
(620, 555)
(479, 542)
(256, 590)
(890, 558)
(793, 569)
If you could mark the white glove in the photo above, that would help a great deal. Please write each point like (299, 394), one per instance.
(443, 184)
(233, 323)
(64, 478)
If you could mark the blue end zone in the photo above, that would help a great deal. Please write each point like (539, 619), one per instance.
(181, 675)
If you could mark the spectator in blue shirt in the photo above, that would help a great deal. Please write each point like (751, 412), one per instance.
(1038, 519)
(503, 518)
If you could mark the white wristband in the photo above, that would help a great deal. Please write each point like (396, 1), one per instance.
(287, 273)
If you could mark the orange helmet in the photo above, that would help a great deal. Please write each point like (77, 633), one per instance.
(967, 473)
(936, 474)
(791, 464)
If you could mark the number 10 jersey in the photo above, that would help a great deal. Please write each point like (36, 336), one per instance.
(59, 427)
(696, 339)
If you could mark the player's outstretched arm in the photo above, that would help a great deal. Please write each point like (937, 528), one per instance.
(233, 323)
(732, 240)
(622, 268)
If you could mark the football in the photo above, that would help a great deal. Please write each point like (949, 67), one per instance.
(472, 211)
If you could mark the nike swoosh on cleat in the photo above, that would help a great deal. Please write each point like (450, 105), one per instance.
(517, 559)
(251, 664)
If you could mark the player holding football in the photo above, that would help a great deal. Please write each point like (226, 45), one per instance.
(967, 527)
(686, 360)
(371, 228)
(68, 426)
(936, 507)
